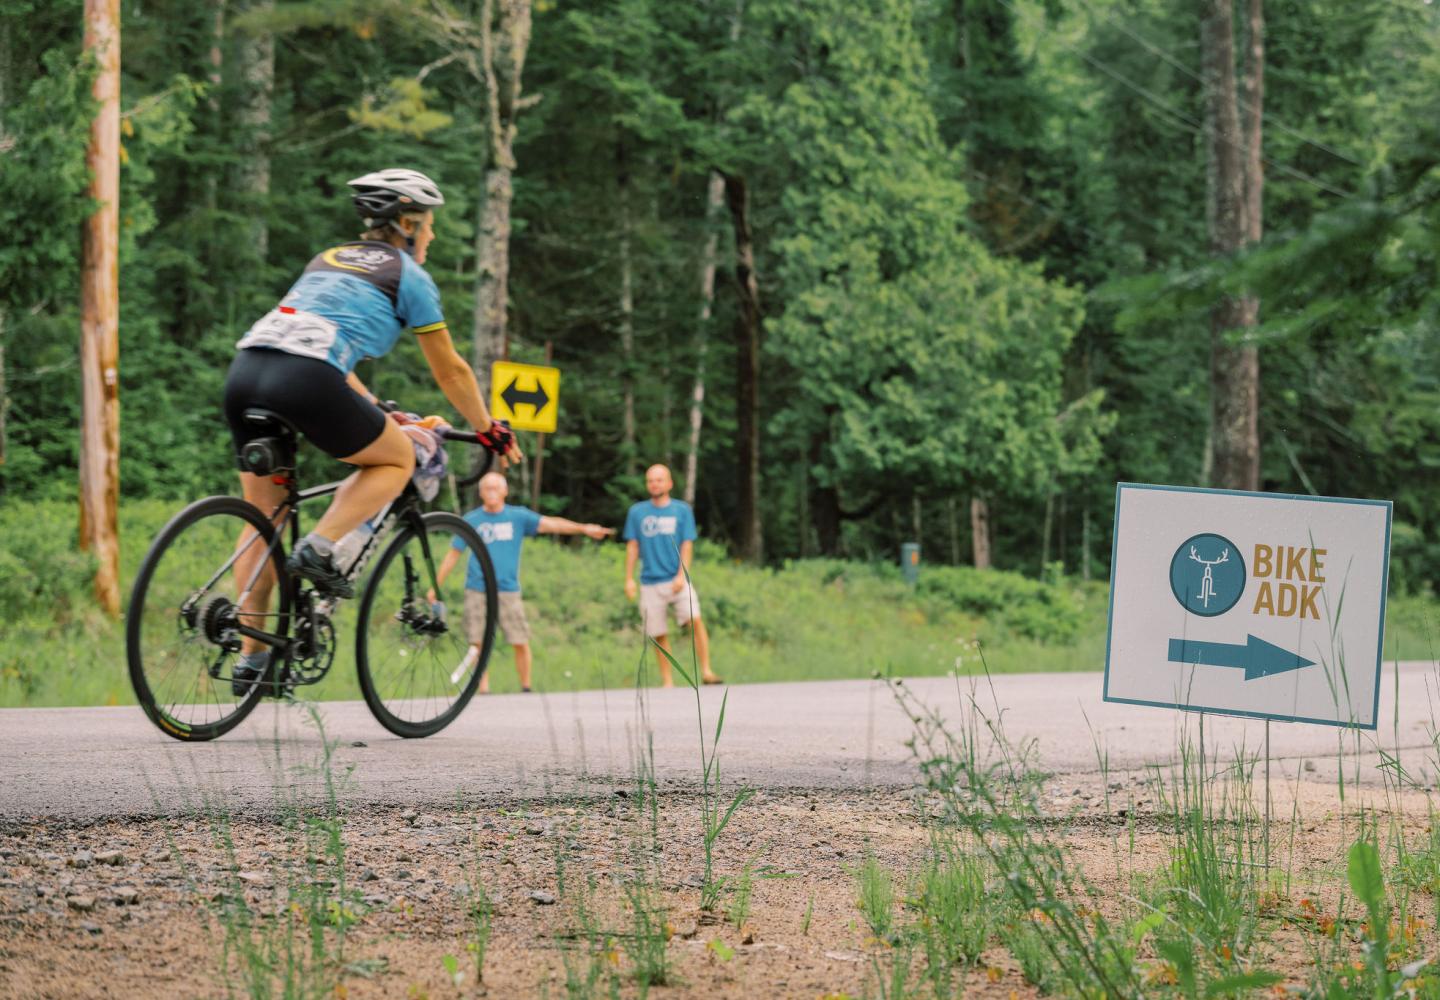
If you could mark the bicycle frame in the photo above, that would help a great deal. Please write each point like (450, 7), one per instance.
(286, 515)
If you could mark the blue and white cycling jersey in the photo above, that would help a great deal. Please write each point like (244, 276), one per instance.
(351, 303)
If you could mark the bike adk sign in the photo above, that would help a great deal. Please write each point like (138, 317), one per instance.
(1257, 604)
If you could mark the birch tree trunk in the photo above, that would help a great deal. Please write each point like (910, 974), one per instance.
(714, 199)
(100, 311)
(255, 67)
(1234, 371)
(505, 38)
(749, 538)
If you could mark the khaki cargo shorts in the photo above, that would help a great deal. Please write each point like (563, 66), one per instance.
(512, 617)
(656, 597)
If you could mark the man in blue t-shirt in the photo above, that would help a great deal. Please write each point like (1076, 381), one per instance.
(660, 535)
(503, 528)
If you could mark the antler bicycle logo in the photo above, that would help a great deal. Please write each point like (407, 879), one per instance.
(1207, 574)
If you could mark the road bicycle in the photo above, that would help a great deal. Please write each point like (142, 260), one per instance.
(196, 597)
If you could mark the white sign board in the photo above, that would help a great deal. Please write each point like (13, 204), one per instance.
(1259, 604)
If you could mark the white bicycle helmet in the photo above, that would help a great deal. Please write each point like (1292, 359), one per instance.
(385, 194)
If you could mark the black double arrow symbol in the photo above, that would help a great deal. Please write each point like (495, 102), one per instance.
(514, 396)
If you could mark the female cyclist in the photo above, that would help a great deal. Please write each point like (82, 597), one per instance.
(352, 302)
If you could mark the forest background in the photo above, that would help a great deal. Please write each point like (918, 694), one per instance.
(861, 271)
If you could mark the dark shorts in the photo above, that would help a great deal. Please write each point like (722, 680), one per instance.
(313, 395)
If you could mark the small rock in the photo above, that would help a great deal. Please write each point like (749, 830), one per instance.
(375, 899)
(749, 937)
(157, 855)
(368, 875)
(1309, 765)
(542, 898)
(402, 875)
(688, 930)
(359, 743)
(83, 904)
(81, 860)
(403, 858)
(534, 829)
(251, 878)
(410, 816)
(127, 895)
(90, 928)
(110, 858)
(425, 819)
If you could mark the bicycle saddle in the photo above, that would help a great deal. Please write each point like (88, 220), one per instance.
(269, 421)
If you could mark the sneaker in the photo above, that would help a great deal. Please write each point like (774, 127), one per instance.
(248, 669)
(308, 564)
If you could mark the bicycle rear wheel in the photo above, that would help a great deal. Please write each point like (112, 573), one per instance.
(180, 636)
(416, 669)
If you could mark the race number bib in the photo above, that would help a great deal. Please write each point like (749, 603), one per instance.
(293, 331)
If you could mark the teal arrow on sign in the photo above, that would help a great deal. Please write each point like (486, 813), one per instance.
(1256, 657)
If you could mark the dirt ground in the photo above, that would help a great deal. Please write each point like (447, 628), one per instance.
(135, 909)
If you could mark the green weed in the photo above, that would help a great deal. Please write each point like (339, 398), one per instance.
(876, 897)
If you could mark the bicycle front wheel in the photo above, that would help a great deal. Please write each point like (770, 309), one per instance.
(417, 667)
(204, 575)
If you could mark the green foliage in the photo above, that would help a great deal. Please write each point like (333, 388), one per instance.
(978, 228)
(1022, 606)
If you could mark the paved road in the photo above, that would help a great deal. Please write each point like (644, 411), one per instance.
(92, 763)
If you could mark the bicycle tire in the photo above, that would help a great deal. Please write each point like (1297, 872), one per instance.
(407, 728)
(167, 723)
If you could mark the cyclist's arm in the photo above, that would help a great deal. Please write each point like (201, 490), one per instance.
(454, 376)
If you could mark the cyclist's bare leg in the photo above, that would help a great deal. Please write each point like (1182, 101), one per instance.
(265, 494)
(385, 466)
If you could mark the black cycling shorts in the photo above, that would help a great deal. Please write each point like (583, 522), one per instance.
(313, 395)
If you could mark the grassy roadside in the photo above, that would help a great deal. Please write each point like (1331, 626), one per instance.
(810, 620)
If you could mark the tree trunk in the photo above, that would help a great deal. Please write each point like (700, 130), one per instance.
(1047, 529)
(100, 311)
(714, 198)
(1234, 371)
(505, 37)
(627, 323)
(255, 68)
(540, 442)
(952, 518)
(1253, 90)
(749, 538)
(980, 532)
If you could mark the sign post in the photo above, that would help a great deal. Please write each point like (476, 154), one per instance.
(1264, 605)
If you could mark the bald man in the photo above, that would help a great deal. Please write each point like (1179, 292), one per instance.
(503, 527)
(660, 535)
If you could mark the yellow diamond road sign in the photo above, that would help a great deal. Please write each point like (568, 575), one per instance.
(528, 396)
